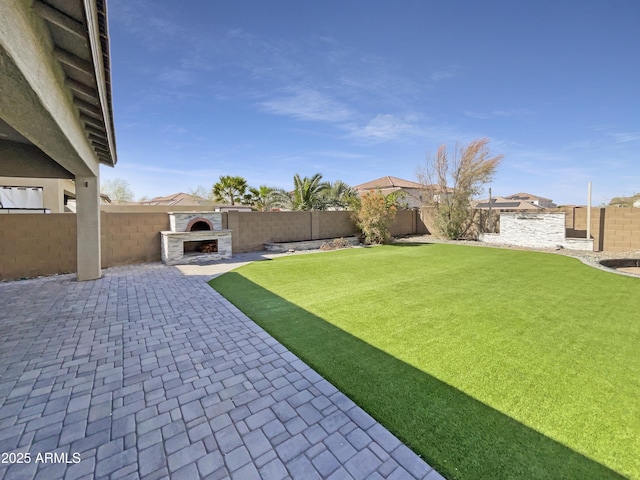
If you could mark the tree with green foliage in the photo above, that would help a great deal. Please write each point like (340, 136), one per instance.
(374, 217)
(260, 199)
(340, 196)
(306, 194)
(450, 183)
(229, 189)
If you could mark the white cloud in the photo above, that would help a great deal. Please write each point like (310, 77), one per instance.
(149, 21)
(383, 127)
(168, 172)
(177, 78)
(305, 103)
(443, 74)
(515, 112)
(338, 154)
(625, 137)
(180, 130)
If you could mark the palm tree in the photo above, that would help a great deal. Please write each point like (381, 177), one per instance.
(229, 189)
(306, 194)
(260, 198)
(340, 195)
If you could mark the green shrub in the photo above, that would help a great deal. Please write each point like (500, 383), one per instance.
(374, 217)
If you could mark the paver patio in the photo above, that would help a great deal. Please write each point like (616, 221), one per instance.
(150, 373)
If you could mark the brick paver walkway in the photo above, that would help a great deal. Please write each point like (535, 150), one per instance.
(148, 373)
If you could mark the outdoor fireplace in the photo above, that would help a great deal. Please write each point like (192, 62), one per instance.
(195, 237)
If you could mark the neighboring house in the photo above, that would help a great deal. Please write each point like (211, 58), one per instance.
(24, 195)
(231, 208)
(181, 199)
(527, 197)
(71, 205)
(505, 204)
(414, 192)
(187, 200)
(633, 201)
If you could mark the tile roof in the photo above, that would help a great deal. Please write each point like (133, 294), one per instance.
(175, 199)
(388, 182)
(526, 196)
(506, 203)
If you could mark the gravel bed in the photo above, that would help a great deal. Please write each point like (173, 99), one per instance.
(588, 258)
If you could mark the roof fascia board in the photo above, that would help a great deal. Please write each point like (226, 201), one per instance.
(99, 57)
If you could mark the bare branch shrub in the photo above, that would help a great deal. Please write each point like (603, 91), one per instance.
(335, 244)
(117, 189)
(451, 182)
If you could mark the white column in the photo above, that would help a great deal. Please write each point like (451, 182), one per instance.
(88, 227)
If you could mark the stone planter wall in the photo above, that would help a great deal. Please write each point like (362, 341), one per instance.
(537, 230)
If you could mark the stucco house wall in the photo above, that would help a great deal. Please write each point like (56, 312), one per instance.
(54, 190)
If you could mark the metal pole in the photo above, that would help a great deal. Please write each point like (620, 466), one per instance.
(490, 228)
(589, 212)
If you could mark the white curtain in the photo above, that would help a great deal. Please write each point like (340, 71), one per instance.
(21, 197)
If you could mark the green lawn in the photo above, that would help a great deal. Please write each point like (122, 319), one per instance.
(489, 363)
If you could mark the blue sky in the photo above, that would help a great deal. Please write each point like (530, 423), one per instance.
(357, 90)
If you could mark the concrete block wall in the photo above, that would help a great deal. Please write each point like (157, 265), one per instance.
(251, 230)
(334, 225)
(621, 229)
(576, 223)
(131, 237)
(405, 221)
(33, 245)
(424, 222)
(612, 229)
(37, 244)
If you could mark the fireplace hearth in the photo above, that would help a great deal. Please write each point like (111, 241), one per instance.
(195, 237)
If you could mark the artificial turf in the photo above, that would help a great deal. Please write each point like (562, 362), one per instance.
(489, 363)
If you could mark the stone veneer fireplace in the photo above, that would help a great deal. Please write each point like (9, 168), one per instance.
(190, 230)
